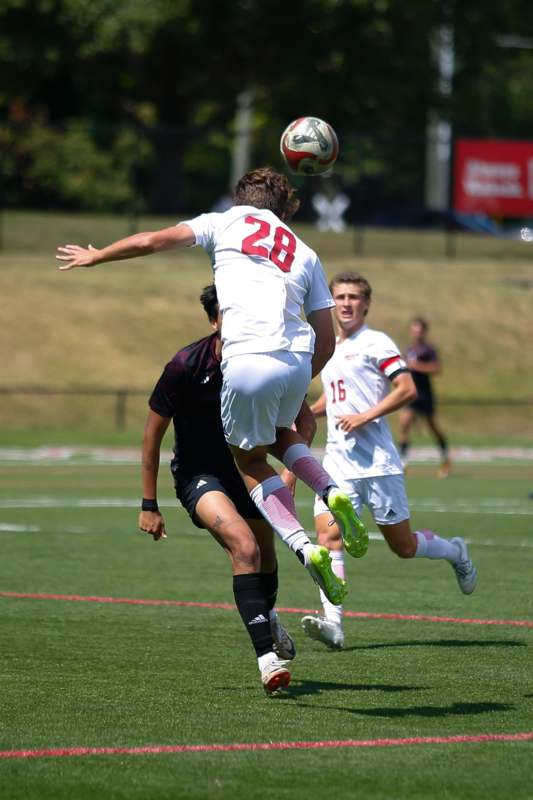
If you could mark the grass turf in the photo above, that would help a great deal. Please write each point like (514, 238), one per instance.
(93, 674)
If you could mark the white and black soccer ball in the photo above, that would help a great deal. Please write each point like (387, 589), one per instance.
(309, 146)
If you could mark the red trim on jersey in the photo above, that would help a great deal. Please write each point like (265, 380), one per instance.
(383, 366)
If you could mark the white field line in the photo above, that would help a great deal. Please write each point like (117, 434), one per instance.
(78, 456)
(493, 506)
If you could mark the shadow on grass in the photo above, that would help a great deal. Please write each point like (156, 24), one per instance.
(455, 709)
(439, 643)
(299, 688)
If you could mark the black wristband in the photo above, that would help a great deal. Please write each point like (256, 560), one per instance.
(149, 505)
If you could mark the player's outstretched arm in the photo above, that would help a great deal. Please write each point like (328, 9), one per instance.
(150, 519)
(140, 244)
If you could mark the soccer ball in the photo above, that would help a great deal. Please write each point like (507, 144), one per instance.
(309, 146)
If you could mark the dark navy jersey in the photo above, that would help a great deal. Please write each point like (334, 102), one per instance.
(189, 392)
(426, 353)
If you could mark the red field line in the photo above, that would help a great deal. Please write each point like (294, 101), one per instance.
(224, 748)
(77, 598)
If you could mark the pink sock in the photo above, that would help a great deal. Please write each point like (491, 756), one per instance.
(276, 504)
(298, 459)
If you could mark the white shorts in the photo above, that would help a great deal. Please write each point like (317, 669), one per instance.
(384, 496)
(262, 392)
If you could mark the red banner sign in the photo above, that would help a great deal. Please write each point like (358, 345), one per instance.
(494, 176)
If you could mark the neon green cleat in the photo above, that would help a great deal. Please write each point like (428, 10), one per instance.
(319, 566)
(353, 532)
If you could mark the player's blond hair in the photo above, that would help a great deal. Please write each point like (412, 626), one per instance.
(352, 277)
(266, 188)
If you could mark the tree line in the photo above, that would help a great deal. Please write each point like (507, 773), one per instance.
(104, 104)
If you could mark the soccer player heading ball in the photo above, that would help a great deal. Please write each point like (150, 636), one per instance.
(265, 275)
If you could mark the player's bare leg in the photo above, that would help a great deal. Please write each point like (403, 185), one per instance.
(427, 544)
(445, 463)
(327, 626)
(217, 512)
(406, 418)
(276, 503)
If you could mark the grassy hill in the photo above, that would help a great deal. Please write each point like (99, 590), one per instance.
(116, 325)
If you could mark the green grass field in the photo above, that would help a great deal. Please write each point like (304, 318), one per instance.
(102, 674)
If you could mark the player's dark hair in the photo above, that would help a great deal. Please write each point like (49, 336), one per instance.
(424, 324)
(266, 188)
(351, 277)
(209, 300)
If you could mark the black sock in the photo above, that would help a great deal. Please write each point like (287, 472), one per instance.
(253, 608)
(443, 444)
(404, 447)
(326, 492)
(270, 587)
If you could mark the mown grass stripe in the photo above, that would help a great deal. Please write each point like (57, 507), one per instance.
(522, 623)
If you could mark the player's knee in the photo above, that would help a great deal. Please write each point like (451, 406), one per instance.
(330, 538)
(403, 548)
(246, 552)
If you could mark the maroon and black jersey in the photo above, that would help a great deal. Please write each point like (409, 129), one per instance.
(189, 392)
(425, 401)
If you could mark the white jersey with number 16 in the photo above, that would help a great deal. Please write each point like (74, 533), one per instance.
(355, 379)
(264, 276)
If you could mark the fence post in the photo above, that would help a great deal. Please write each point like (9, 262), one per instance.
(120, 409)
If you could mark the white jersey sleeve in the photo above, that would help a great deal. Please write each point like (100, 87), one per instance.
(204, 228)
(385, 355)
(319, 295)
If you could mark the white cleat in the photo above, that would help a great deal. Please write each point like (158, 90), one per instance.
(324, 630)
(465, 571)
(283, 643)
(274, 674)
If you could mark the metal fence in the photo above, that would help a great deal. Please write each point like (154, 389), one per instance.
(121, 397)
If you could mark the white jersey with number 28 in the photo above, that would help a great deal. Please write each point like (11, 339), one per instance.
(264, 276)
(355, 379)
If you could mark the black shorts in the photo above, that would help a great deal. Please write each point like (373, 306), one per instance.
(190, 489)
(424, 404)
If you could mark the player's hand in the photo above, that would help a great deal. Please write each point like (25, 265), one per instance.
(152, 522)
(289, 479)
(351, 422)
(75, 256)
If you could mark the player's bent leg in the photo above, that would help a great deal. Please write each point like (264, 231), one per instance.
(400, 538)
(276, 503)
(299, 459)
(427, 544)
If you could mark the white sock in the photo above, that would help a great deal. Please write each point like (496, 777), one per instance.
(276, 504)
(334, 613)
(265, 659)
(429, 545)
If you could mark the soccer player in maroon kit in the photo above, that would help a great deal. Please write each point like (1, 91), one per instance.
(209, 485)
(423, 361)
